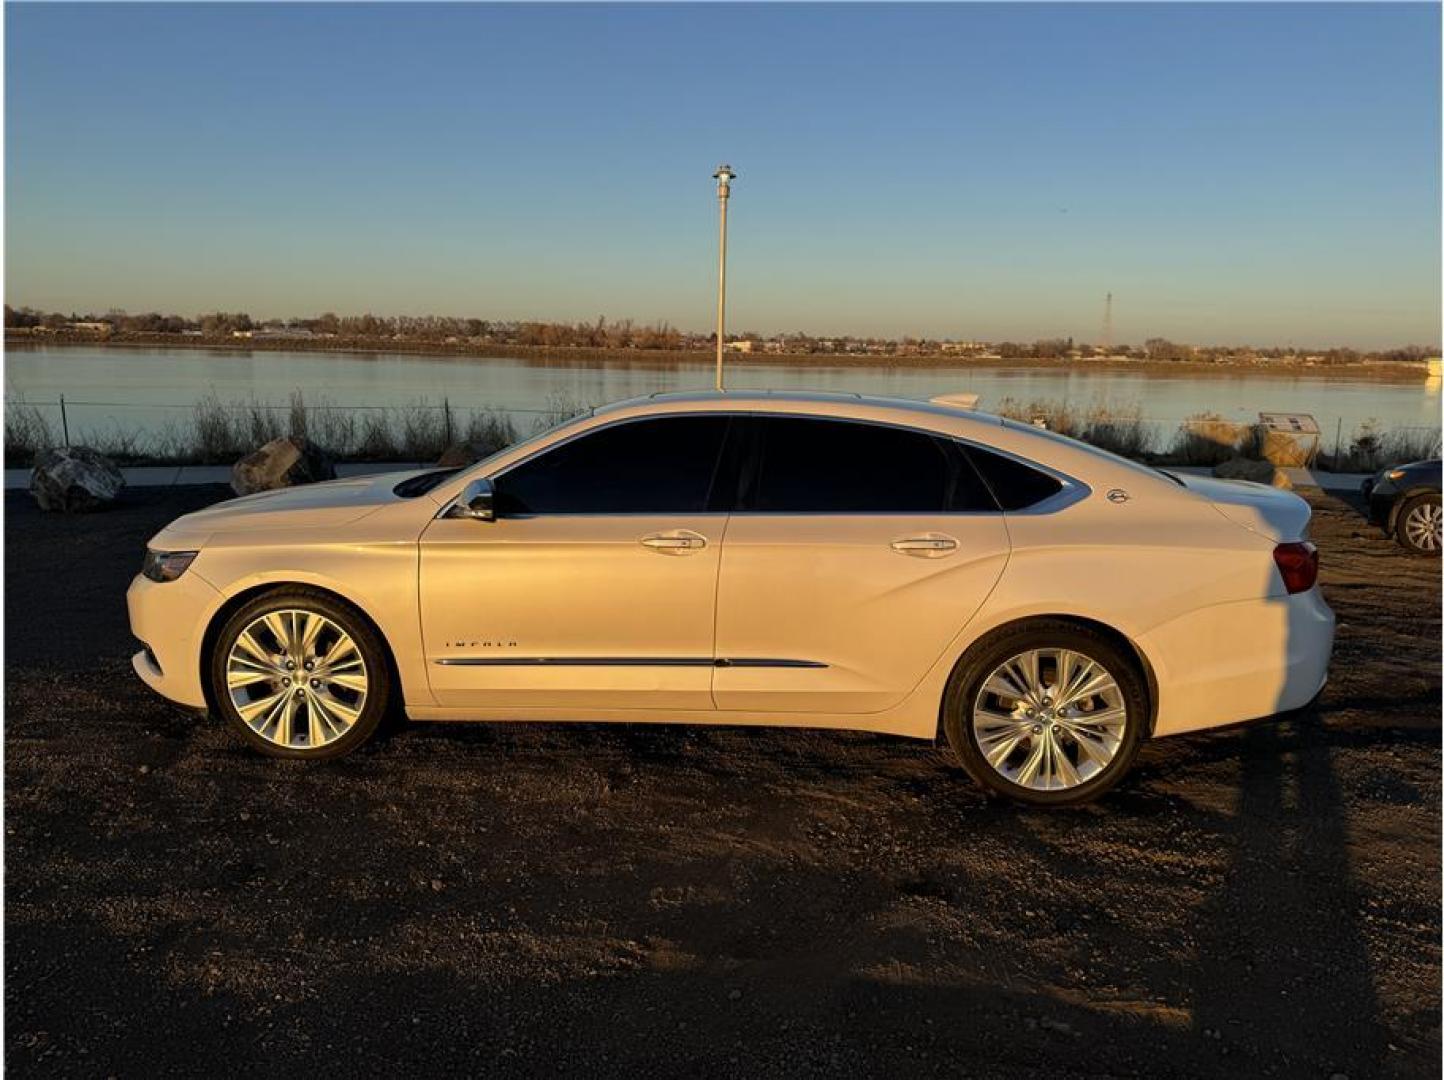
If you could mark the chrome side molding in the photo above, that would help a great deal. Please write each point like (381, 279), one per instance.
(624, 661)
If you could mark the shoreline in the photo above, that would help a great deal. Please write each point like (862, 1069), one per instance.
(1381, 371)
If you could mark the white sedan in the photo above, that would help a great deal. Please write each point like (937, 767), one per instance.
(802, 560)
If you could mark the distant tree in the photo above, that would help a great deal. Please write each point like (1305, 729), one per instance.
(21, 318)
(1052, 348)
(1163, 349)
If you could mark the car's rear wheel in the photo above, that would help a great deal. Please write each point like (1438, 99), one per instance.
(1046, 713)
(300, 675)
(1420, 525)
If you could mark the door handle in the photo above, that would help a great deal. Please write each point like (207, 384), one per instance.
(927, 546)
(676, 542)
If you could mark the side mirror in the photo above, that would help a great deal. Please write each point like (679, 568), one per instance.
(476, 501)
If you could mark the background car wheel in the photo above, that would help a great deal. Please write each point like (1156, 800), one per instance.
(300, 675)
(1049, 714)
(1420, 523)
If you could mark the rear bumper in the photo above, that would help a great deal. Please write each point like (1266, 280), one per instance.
(169, 619)
(1234, 662)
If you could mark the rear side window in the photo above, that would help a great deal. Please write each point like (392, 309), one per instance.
(1015, 485)
(661, 466)
(821, 466)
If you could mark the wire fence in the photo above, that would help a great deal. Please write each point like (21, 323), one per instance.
(211, 430)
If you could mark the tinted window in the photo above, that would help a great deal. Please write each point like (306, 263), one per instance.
(1016, 485)
(657, 466)
(840, 467)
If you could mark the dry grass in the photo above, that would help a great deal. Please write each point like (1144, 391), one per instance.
(219, 432)
(27, 431)
(1208, 439)
(1370, 449)
(1119, 429)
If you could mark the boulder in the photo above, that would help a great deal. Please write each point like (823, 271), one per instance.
(74, 480)
(283, 462)
(1260, 472)
(460, 455)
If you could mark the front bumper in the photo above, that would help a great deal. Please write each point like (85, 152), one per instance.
(1381, 500)
(1234, 662)
(169, 619)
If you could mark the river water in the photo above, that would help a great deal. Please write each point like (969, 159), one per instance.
(146, 389)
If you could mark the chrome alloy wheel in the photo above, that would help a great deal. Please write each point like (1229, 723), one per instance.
(1424, 526)
(296, 678)
(1049, 719)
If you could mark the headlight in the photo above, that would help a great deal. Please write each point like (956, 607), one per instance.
(166, 565)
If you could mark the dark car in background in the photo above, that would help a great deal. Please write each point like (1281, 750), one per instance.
(1404, 502)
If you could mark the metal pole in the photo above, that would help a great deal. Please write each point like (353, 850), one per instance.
(724, 176)
(64, 423)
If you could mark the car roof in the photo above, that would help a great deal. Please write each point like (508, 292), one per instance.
(822, 403)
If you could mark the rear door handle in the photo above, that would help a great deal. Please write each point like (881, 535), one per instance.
(927, 546)
(675, 542)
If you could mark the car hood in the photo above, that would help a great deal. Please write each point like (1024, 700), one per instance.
(1268, 511)
(333, 503)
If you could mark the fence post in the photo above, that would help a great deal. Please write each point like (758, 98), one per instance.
(1338, 438)
(446, 413)
(64, 423)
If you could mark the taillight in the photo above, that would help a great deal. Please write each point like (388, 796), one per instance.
(1298, 565)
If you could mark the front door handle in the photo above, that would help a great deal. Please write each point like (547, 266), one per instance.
(675, 542)
(926, 546)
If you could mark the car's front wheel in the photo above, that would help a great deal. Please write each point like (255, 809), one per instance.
(1420, 525)
(1046, 713)
(300, 675)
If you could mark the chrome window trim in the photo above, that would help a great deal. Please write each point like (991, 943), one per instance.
(1071, 492)
(549, 447)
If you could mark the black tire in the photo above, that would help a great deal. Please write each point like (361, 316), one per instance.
(373, 707)
(1416, 505)
(995, 649)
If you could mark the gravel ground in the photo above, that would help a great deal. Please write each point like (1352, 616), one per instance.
(523, 899)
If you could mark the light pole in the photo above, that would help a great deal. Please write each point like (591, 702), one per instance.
(724, 177)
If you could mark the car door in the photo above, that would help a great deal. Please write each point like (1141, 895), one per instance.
(857, 551)
(596, 583)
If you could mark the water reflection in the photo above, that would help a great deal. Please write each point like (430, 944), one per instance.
(147, 388)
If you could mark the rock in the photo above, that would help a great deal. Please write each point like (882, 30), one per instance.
(1260, 472)
(460, 455)
(281, 463)
(74, 480)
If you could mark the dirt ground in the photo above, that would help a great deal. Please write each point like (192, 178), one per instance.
(528, 899)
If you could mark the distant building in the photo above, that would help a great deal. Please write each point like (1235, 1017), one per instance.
(744, 346)
(274, 332)
(90, 327)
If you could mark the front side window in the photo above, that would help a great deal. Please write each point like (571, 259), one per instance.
(665, 465)
(824, 466)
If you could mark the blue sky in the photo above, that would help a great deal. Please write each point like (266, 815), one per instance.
(1231, 173)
